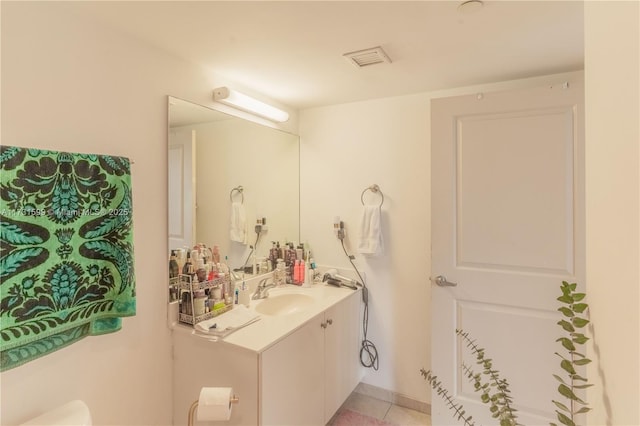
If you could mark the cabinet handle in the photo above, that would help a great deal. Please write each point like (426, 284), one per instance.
(326, 323)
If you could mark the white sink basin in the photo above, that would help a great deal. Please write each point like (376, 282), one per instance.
(284, 304)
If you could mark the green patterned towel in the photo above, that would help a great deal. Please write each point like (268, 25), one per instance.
(66, 250)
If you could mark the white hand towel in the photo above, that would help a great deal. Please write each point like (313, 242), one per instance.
(238, 226)
(370, 241)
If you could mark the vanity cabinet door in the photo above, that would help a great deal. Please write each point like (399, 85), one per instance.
(341, 349)
(292, 378)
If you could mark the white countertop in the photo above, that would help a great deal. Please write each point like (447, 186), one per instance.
(262, 334)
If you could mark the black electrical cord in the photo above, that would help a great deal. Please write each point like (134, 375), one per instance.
(250, 253)
(368, 351)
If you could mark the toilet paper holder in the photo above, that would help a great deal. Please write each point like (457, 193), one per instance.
(194, 406)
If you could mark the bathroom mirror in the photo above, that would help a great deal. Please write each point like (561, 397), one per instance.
(210, 154)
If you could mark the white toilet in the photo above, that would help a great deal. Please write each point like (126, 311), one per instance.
(74, 413)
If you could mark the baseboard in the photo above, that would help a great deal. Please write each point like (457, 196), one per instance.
(393, 397)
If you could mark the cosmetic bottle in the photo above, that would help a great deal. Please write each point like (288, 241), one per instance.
(198, 303)
(273, 255)
(187, 269)
(308, 275)
(215, 256)
(279, 275)
(173, 265)
(296, 272)
(201, 272)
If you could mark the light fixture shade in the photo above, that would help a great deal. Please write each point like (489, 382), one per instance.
(247, 103)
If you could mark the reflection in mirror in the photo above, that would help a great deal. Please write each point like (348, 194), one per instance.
(210, 154)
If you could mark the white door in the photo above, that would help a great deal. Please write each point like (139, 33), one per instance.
(507, 228)
(182, 187)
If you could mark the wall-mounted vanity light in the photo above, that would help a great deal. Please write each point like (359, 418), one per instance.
(246, 103)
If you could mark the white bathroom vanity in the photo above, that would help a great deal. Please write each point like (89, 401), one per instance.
(295, 366)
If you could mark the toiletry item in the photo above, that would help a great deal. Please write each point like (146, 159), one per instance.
(180, 258)
(218, 305)
(273, 255)
(173, 265)
(185, 306)
(308, 275)
(201, 271)
(187, 269)
(303, 271)
(279, 275)
(224, 267)
(296, 272)
(215, 256)
(300, 252)
(244, 296)
(236, 294)
(198, 303)
(216, 293)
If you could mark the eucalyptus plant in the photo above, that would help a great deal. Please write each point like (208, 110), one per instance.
(573, 309)
(458, 410)
(494, 390)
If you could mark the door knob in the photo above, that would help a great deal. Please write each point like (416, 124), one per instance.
(441, 281)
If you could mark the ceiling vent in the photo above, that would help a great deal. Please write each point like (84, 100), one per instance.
(362, 58)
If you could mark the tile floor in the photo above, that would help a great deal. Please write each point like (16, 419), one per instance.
(384, 410)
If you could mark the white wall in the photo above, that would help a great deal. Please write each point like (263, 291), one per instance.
(612, 73)
(68, 83)
(344, 149)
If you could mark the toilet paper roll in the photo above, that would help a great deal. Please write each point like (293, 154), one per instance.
(214, 404)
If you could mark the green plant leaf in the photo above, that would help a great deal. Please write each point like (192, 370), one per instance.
(580, 339)
(578, 296)
(567, 366)
(583, 361)
(558, 378)
(565, 298)
(567, 326)
(561, 406)
(567, 392)
(582, 386)
(583, 410)
(579, 322)
(580, 307)
(567, 343)
(566, 311)
(564, 419)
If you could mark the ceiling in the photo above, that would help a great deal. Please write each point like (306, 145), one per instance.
(291, 51)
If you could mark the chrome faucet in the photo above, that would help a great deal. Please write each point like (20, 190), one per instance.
(262, 291)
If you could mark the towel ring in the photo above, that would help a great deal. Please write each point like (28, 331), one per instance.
(375, 189)
(239, 189)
